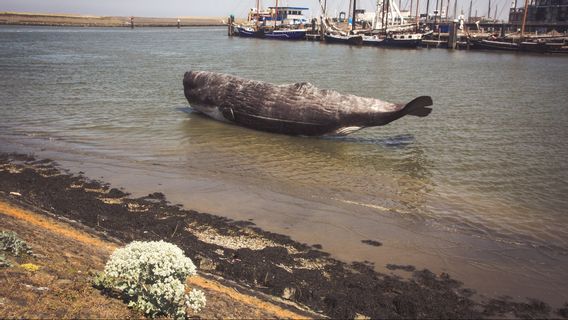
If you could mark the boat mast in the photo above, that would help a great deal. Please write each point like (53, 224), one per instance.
(417, 17)
(383, 20)
(354, 10)
(495, 14)
(275, 14)
(455, 9)
(524, 18)
(436, 15)
(386, 11)
(427, 10)
(257, 12)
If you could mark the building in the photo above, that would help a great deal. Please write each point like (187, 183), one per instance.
(542, 15)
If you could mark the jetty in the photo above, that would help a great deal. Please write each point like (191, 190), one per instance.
(77, 20)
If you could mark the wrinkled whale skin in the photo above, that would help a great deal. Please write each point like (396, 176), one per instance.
(294, 109)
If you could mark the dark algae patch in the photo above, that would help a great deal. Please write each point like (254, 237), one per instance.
(400, 267)
(238, 251)
(373, 243)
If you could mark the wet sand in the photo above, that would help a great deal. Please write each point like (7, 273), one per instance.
(44, 19)
(237, 251)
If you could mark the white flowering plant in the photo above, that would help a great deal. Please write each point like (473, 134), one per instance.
(151, 276)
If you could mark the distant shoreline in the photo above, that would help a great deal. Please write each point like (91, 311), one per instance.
(76, 20)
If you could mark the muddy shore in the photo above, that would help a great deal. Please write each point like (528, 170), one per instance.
(72, 20)
(238, 251)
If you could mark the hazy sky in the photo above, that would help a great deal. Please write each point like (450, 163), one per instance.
(175, 8)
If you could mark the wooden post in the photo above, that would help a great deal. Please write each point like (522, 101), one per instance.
(453, 36)
(179, 23)
(131, 22)
(230, 26)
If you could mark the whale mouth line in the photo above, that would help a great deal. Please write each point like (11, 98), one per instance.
(280, 120)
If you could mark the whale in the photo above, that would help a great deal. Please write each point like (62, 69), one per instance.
(292, 109)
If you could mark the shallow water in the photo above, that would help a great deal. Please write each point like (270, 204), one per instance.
(477, 189)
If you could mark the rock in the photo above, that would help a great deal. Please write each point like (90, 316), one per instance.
(63, 282)
(206, 264)
(288, 293)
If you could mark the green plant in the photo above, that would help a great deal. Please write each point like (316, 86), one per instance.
(10, 242)
(4, 263)
(152, 276)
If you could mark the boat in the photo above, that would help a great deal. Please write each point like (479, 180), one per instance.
(344, 39)
(493, 45)
(557, 47)
(390, 28)
(258, 23)
(293, 109)
(373, 40)
(402, 40)
(278, 34)
(533, 46)
(333, 34)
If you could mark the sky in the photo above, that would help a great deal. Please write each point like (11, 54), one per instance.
(182, 8)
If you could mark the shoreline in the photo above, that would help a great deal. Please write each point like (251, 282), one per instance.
(76, 20)
(239, 252)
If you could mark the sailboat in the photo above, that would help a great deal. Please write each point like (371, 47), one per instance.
(255, 30)
(335, 35)
(391, 29)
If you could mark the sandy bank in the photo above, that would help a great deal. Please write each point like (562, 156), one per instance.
(296, 276)
(68, 257)
(42, 19)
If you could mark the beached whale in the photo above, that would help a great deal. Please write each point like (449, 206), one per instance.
(295, 109)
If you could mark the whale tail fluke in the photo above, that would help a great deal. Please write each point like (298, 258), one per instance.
(417, 107)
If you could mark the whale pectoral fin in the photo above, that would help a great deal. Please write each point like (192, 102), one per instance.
(417, 107)
(228, 113)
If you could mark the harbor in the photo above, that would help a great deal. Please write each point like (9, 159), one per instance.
(388, 27)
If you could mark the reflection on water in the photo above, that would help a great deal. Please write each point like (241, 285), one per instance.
(477, 189)
(392, 170)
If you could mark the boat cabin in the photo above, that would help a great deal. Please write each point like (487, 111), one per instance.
(288, 15)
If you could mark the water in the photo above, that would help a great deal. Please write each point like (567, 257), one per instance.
(477, 189)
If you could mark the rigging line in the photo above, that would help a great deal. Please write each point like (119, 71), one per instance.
(500, 13)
